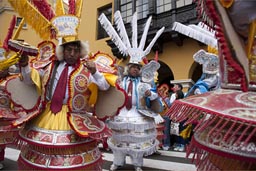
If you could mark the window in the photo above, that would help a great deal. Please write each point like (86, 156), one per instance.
(142, 8)
(18, 20)
(126, 10)
(128, 7)
(163, 6)
(181, 3)
(107, 10)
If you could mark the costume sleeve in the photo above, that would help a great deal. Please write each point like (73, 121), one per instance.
(26, 74)
(100, 80)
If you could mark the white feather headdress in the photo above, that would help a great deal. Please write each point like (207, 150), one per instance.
(197, 32)
(121, 40)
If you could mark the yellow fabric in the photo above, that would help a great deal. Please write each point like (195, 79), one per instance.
(36, 80)
(6, 63)
(185, 134)
(94, 93)
(51, 121)
(33, 17)
(111, 78)
(79, 6)
(226, 3)
(59, 8)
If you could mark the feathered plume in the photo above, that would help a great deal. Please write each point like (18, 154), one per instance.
(59, 10)
(9, 34)
(197, 33)
(72, 7)
(134, 31)
(33, 17)
(79, 6)
(145, 33)
(44, 8)
(121, 29)
(158, 34)
(113, 34)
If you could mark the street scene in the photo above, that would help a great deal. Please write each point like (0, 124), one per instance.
(143, 85)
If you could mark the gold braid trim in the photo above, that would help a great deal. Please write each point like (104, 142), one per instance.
(33, 17)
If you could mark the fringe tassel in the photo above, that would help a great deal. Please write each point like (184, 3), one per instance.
(44, 8)
(33, 17)
(23, 165)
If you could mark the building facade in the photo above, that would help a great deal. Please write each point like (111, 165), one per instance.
(175, 51)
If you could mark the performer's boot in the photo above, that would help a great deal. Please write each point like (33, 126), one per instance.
(137, 168)
(113, 167)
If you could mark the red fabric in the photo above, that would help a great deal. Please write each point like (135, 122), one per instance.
(59, 93)
(129, 92)
(2, 151)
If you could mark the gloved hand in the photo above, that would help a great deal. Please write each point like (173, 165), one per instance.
(158, 119)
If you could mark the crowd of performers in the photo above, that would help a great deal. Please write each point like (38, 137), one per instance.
(69, 100)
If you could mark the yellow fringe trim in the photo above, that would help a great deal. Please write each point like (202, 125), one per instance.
(36, 80)
(33, 17)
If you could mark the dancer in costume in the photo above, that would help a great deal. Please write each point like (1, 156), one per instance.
(64, 133)
(224, 138)
(134, 128)
(9, 110)
(65, 107)
(7, 113)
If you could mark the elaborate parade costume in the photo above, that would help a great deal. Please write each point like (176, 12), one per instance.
(133, 129)
(224, 138)
(10, 111)
(63, 134)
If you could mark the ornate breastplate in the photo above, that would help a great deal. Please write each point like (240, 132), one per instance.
(78, 90)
